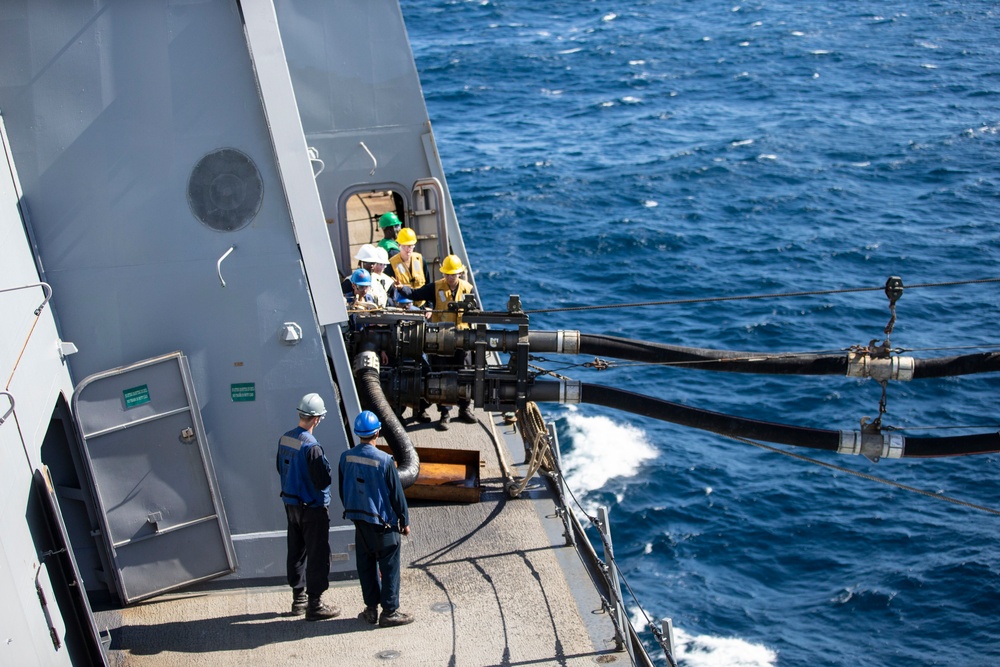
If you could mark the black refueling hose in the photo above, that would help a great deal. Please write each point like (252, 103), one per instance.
(799, 436)
(958, 445)
(982, 362)
(774, 363)
(372, 398)
(706, 420)
(717, 360)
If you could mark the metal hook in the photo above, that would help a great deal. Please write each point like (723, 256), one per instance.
(218, 265)
(374, 161)
(8, 413)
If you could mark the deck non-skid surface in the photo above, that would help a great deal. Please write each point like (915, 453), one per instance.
(484, 581)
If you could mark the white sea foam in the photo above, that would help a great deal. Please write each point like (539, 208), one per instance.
(601, 450)
(711, 651)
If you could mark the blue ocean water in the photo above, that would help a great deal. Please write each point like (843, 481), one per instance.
(605, 152)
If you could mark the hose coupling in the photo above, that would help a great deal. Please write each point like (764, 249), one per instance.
(880, 369)
(366, 359)
(873, 446)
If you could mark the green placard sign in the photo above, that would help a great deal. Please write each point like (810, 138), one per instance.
(243, 391)
(136, 396)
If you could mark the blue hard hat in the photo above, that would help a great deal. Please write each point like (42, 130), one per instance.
(361, 277)
(403, 300)
(366, 424)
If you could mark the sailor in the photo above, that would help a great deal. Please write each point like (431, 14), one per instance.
(361, 297)
(305, 490)
(368, 258)
(408, 266)
(389, 224)
(373, 499)
(385, 280)
(453, 288)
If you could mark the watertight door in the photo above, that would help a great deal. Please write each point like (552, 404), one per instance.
(428, 218)
(152, 476)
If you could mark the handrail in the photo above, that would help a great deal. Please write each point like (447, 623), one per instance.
(45, 287)
(38, 311)
(374, 161)
(218, 265)
(11, 409)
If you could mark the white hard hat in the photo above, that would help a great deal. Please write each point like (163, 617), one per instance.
(369, 253)
(312, 405)
(383, 255)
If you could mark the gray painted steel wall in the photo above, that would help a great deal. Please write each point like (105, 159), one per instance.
(109, 107)
(355, 81)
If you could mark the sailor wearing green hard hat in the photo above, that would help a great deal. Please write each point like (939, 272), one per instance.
(389, 224)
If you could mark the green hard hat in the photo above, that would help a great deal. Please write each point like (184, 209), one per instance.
(388, 220)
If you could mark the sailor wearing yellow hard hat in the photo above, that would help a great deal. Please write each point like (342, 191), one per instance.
(452, 288)
(408, 266)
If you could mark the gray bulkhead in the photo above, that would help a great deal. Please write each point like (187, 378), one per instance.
(154, 156)
(45, 615)
(364, 115)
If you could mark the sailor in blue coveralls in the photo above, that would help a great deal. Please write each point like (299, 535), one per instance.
(373, 499)
(305, 489)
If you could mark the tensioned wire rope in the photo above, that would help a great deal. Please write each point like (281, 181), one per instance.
(745, 297)
(873, 478)
(864, 475)
(660, 639)
(904, 487)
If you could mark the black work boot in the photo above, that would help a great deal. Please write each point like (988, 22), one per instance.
(442, 424)
(299, 601)
(369, 615)
(465, 415)
(421, 416)
(394, 618)
(318, 611)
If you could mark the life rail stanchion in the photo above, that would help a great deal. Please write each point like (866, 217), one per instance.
(621, 640)
(563, 509)
(667, 631)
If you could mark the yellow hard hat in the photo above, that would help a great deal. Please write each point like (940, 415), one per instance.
(452, 265)
(406, 236)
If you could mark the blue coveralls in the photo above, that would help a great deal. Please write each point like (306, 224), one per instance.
(373, 498)
(305, 489)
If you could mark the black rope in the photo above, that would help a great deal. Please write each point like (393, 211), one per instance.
(676, 302)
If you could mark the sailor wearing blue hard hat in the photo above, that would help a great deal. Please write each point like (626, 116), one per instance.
(373, 499)
(361, 297)
(305, 490)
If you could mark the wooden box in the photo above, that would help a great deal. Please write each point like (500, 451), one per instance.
(445, 474)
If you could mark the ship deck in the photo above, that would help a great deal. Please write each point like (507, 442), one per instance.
(490, 583)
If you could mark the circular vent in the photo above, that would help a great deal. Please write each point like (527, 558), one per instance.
(225, 190)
